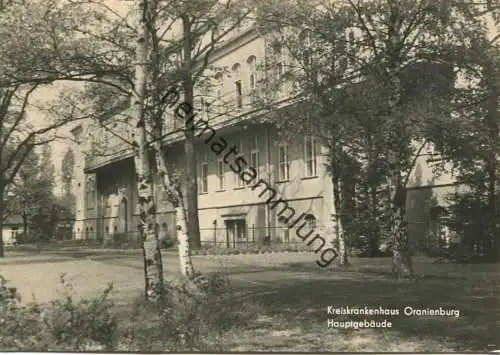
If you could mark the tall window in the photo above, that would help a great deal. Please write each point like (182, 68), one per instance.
(203, 176)
(204, 105)
(237, 85)
(239, 94)
(252, 77)
(310, 157)
(220, 174)
(255, 155)
(237, 180)
(283, 164)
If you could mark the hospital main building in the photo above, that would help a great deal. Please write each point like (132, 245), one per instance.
(230, 213)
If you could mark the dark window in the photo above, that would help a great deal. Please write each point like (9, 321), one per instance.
(239, 94)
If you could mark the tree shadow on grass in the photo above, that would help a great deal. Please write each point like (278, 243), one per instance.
(304, 303)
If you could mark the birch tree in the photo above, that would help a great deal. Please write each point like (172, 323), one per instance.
(148, 226)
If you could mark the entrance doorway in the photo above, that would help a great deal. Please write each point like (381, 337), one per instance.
(236, 232)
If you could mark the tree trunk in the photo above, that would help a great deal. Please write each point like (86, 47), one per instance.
(401, 259)
(174, 196)
(183, 237)
(25, 224)
(153, 268)
(172, 189)
(189, 146)
(492, 160)
(339, 228)
(401, 255)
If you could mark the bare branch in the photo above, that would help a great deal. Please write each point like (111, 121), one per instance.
(19, 116)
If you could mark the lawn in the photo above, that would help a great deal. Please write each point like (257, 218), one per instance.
(291, 296)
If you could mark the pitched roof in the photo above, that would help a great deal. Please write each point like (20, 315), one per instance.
(13, 219)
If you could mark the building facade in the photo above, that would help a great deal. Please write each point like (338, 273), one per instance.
(229, 211)
(12, 227)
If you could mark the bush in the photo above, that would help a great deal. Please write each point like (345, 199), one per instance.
(167, 242)
(193, 316)
(60, 325)
(473, 224)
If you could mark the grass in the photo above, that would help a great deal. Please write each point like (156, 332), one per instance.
(292, 295)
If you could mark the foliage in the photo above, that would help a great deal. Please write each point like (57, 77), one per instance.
(167, 242)
(34, 198)
(45, 55)
(470, 219)
(60, 325)
(374, 79)
(253, 249)
(67, 200)
(193, 316)
(470, 141)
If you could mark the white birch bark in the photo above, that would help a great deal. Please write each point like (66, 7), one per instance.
(172, 189)
(174, 196)
(153, 269)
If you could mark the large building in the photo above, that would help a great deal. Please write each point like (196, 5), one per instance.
(229, 212)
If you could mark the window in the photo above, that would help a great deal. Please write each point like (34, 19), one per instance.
(252, 78)
(204, 177)
(311, 220)
(14, 232)
(310, 156)
(239, 94)
(254, 155)
(237, 180)
(204, 108)
(283, 165)
(237, 85)
(220, 173)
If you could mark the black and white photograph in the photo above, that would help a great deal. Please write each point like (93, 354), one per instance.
(242, 176)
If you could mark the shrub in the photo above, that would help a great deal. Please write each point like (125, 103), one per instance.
(8, 295)
(167, 242)
(78, 325)
(58, 325)
(120, 238)
(193, 316)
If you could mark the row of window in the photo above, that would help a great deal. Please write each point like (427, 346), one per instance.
(251, 80)
(310, 164)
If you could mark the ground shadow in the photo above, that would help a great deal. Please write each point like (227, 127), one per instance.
(304, 302)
